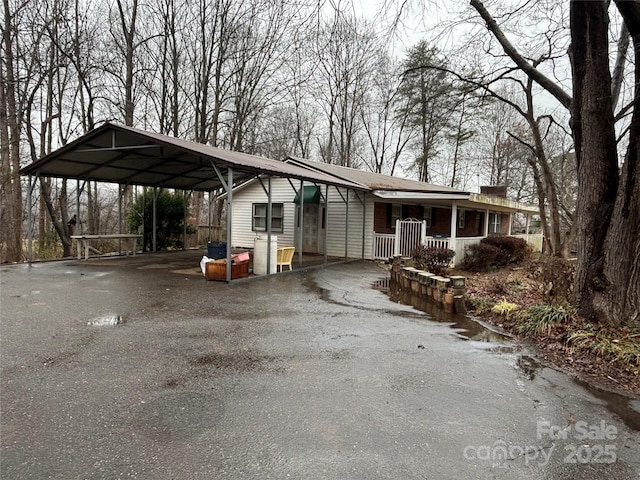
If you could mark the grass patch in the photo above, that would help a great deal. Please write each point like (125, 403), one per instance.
(541, 319)
(616, 347)
(504, 308)
(479, 305)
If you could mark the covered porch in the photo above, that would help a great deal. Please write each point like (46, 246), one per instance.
(453, 223)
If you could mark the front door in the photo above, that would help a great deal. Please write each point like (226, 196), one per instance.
(310, 233)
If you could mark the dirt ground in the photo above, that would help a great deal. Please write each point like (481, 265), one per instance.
(520, 285)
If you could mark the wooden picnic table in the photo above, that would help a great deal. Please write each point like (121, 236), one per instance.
(84, 241)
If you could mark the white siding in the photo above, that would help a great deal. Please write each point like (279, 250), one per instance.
(337, 220)
(281, 192)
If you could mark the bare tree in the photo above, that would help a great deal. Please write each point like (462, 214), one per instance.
(386, 126)
(608, 274)
(345, 49)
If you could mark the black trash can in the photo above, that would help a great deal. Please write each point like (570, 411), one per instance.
(217, 250)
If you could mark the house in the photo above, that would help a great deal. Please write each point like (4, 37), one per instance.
(386, 216)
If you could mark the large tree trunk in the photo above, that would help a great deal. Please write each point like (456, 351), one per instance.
(10, 126)
(622, 244)
(607, 277)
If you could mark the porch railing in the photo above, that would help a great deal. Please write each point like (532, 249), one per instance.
(436, 242)
(383, 245)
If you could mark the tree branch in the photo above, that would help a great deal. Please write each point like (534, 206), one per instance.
(545, 82)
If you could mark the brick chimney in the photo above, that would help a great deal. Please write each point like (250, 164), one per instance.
(494, 190)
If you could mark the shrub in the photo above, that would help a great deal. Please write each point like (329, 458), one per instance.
(480, 256)
(511, 249)
(495, 251)
(170, 213)
(432, 259)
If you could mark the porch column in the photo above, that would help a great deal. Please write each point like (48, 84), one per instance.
(486, 223)
(396, 246)
(527, 225)
(454, 226)
(510, 222)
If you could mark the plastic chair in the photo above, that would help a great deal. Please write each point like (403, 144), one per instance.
(285, 257)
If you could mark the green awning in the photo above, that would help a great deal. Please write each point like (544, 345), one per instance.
(311, 195)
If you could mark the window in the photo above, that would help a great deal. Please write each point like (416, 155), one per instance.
(426, 216)
(396, 214)
(259, 219)
(462, 218)
(494, 223)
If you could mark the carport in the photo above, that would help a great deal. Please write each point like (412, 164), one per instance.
(128, 156)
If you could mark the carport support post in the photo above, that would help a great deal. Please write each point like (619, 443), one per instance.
(153, 209)
(29, 222)
(269, 206)
(79, 230)
(326, 223)
(121, 192)
(301, 223)
(229, 219)
(364, 220)
(119, 208)
(346, 229)
(184, 221)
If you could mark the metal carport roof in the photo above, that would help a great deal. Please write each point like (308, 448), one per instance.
(117, 154)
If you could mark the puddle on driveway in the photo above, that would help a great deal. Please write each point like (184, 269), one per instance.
(624, 407)
(466, 327)
(107, 320)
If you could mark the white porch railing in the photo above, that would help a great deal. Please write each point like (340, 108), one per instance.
(384, 245)
(436, 242)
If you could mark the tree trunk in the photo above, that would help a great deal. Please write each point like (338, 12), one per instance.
(10, 125)
(598, 179)
(621, 300)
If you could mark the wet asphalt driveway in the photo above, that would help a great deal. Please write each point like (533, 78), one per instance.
(308, 375)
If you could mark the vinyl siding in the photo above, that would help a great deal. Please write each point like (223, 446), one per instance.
(243, 236)
(281, 192)
(337, 213)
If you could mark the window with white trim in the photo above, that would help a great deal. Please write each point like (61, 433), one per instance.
(462, 218)
(495, 223)
(426, 216)
(259, 218)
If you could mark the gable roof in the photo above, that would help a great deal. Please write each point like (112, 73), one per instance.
(125, 155)
(375, 181)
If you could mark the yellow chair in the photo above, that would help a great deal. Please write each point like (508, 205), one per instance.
(285, 257)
